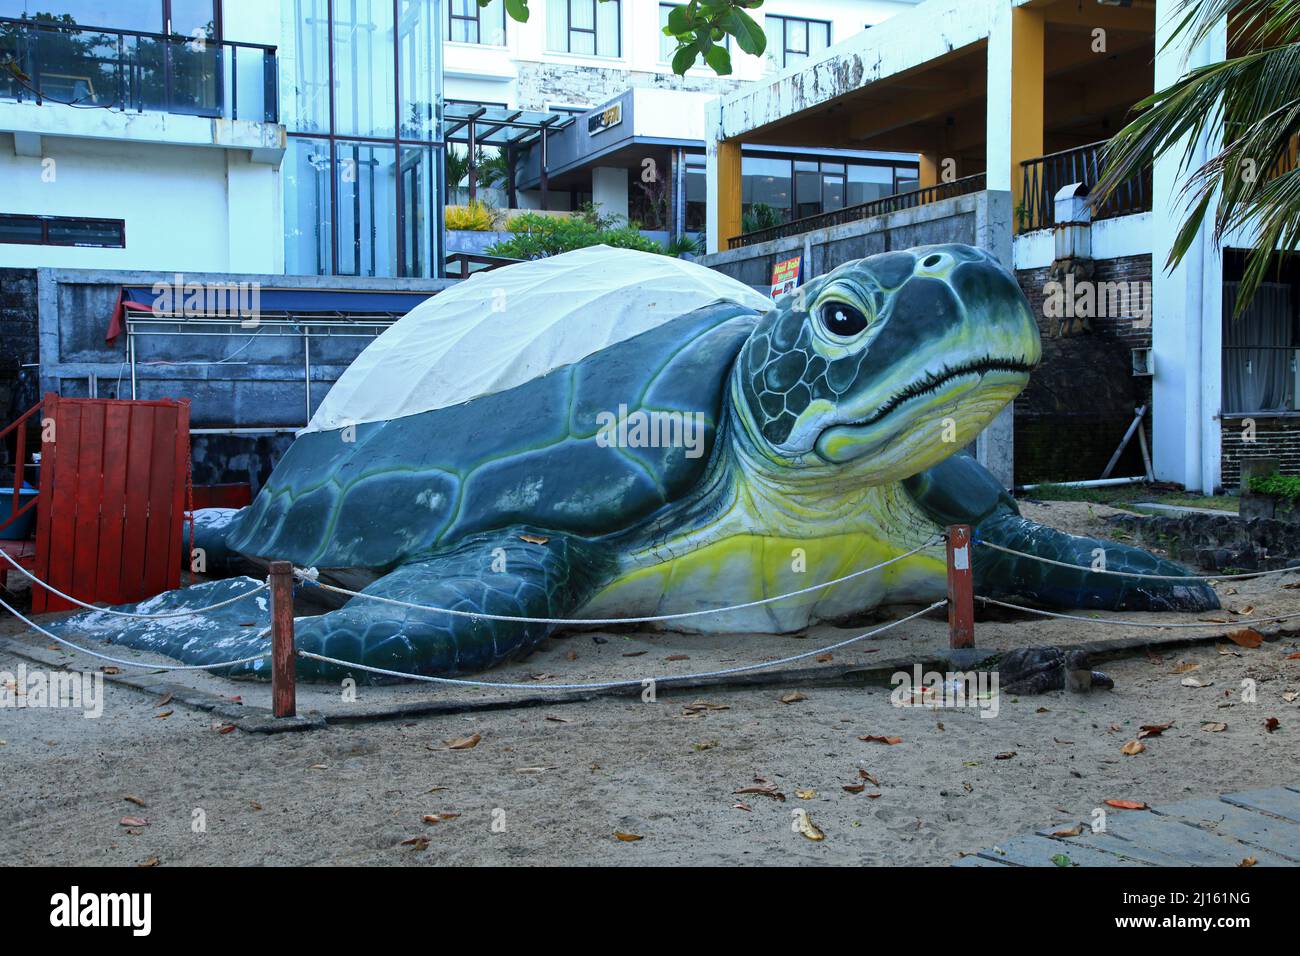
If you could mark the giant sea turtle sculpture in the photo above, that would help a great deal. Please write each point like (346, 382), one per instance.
(720, 456)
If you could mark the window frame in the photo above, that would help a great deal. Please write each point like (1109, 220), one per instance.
(785, 34)
(477, 20)
(46, 221)
(594, 32)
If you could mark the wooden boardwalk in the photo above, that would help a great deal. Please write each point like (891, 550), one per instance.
(1263, 825)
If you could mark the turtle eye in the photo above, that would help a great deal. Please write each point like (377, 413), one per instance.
(841, 319)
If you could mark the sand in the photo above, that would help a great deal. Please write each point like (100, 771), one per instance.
(554, 785)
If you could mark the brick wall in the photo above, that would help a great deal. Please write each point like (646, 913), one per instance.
(546, 84)
(1277, 438)
(1080, 401)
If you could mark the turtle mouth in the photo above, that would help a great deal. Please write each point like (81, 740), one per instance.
(933, 382)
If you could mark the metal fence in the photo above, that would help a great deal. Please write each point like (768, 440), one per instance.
(877, 207)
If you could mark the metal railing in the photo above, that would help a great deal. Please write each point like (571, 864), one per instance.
(462, 265)
(877, 207)
(1043, 177)
(89, 67)
(19, 428)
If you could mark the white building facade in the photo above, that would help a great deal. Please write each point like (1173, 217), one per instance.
(1010, 102)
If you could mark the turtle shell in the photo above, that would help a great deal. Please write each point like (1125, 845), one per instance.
(382, 493)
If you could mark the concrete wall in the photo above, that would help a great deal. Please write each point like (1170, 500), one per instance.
(233, 382)
(952, 220)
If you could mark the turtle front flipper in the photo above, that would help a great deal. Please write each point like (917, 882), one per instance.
(517, 572)
(961, 491)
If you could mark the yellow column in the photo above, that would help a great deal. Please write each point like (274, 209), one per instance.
(928, 173)
(1027, 80)
(729, 191)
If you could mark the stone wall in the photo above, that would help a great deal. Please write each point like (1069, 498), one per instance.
(18, 341)
(554, 84)
(1217, 543)
(1081, 400)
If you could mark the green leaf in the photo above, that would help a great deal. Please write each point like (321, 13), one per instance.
(1062, 860)
(684, 58)
(719, 59)
(679, 21)
(518, 10)
(749, 35)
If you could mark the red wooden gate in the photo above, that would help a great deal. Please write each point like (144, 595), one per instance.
(112, 499)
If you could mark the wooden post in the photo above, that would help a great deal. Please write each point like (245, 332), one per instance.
(283, 699)
(961, 590)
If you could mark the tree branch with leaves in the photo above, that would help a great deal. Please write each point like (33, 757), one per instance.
(700, 28)
(1248, 105)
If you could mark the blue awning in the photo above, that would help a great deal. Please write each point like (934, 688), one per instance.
(314, 301)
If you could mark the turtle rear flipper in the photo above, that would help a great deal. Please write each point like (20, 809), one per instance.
(517, 572)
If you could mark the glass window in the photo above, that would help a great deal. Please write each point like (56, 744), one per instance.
(350, 207)
(470, 23)
(793, 40)
(367, 212)
(24, 230)
(63, 231)
(145, 16)
(766, 186)
(305, 66)
(868, 183)
(419, 56)
(363, 68)
(308, 228)
(584, 26)
(697, 202)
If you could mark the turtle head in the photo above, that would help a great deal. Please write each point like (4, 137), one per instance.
(888, 364)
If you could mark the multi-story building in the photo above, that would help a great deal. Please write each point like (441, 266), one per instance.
(645, 159)
(243, 136)
(1009, 104)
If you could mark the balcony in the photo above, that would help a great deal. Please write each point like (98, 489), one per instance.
(1044, 176)
(877, 207)
(119, 70)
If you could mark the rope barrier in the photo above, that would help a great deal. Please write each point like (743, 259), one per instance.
(307, 577)
(117, 660)
(1138, 574)
(135, 614)
(1124, 623)
(636, 682)
(185, 613)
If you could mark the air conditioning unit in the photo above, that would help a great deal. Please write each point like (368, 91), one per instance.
(1143, 362)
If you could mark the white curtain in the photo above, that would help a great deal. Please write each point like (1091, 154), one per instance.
(1257, 353)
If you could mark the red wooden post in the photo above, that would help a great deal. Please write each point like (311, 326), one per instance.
(961, 589)
(283, 700)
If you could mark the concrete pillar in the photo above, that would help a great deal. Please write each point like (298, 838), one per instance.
(254, 215)
(995, 446)
(1187, 303)
(609, 190)
(1014, 116)
(724, 192)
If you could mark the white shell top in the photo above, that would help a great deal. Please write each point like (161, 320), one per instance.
(503, 328)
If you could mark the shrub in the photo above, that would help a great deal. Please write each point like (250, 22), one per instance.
(476, 217)
(535, 236)
(1276, 484)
